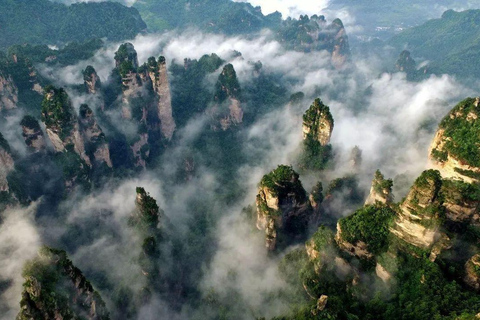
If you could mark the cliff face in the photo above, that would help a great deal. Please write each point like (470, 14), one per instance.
(381, 190)
(6, 163)
(94, 137)
(405, 63)
(8, 93)
(91, 81)
(61, 122)
(33, 134)
(157, 72)
(283, 209)
(340, 47)
(227, 111)
(314, 34)
(55, 289)
(318, 123)
(472, 272)
(454, 150)
(417, 219)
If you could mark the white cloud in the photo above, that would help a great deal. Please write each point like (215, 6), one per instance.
(289, 8)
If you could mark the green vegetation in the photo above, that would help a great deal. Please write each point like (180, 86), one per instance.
(46, 22)
(207, 15)
(30, 122)
(382, 185)
(227, 85)
(283, 181)
(314, 116)
(461, 132)
(451, 43)
(55, 287)
(148, 213)
(459, 192)
(370, 225)
(57, 111)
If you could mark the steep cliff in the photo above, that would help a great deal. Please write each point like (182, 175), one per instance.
(340, 47)
(454, 150)
(314, 34)
(8, 93)
(6, 163)
(283, 208)
(365, 233)
(381, 190)
(318, 123)
(158, 74)
(95, 142)
(317, 130)
(55, 289)
(405, 63)
(472, 272)
(33, 134)
(227, 111)
(420, 214)
(91, 81)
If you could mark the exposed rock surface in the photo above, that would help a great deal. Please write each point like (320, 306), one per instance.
(472, 272)
(33, 134)
(417, 218)
(55, 289)
(227, 111)
(454, 150)
(382, 273)
(91, 80)
(6, 163)
(318, 123)
(61, 122)
(358, 248)
(381, 190)
(159, 76)
(281, 203)
(8, 93)
(341, 48)
(94, 136)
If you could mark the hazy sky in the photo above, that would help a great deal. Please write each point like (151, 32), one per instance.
(292, 8)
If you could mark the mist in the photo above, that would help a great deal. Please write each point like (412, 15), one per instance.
(391, 119)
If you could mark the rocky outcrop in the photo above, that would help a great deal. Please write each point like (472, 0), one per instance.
(55, 289)
(158, 74)
(227, 111)
(318, 123)
(94, 137)
(8, 93)
(458, 158)
(381, 190)
(460, 201)
(472, 272)
(382, 273)
(417, 218)
(91, 81)
(308, 34)
(6, 163)
(33, 134)
(341, 48)
(355, 159)
(61, 122)
(283, 209)
(359, 248)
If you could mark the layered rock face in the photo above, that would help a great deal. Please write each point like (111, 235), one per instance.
(8, 93)
(6, 163)
(33, 134)
(227, 111)
(94, 136)
(283, 208)
(318, 123)
(91, 81)
(61, 122)
(381, 190)
(55, 289)
(454, 150)
(472, 272)
(157, 72)
(417, 220)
